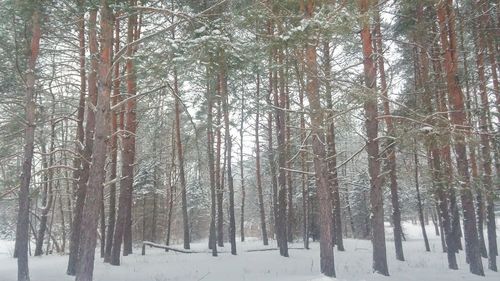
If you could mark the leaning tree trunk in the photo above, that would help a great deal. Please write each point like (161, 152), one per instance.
(419, 200)
(180, 157)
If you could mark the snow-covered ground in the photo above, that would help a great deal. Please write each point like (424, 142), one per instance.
(303, 265)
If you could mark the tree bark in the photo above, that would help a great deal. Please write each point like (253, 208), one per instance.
(260, 195)
(97, 172)
(271, 153)
(279, 105)
(22, 227)
(446, 19)
(228, 146)
(113, 147)
(182, 177)
(219, 176)
(419, 201)
(47, 195)
(371, 123)
(390, 150)
(81, 193)
(243, 193)
(332, 154)
(128, 152)
(485, 148)
(210, 151)
(319, 151)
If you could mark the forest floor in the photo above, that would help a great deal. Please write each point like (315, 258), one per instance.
(302, 265)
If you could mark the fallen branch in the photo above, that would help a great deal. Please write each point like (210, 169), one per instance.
(154, 245)
(271, 249)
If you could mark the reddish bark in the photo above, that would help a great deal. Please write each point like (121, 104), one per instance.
(446, 19)
(123, 219)
(319, 151)
(371, 123)
(97, 172)
(22, 227)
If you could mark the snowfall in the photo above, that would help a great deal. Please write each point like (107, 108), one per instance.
(302, 265)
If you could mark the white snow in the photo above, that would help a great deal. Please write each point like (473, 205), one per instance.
(302, 265)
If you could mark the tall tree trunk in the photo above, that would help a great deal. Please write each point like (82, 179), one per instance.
(22, 227)
(128, 152)
(446, 18)
(171, 187)
(80, 133)
(390, 150)
(219, 175)
(228, 147)
(475, 180)
(180, 157)
(433, 142)
(319, 152)
(113, 147)
(288, 149)
(494, 65)
(305, 168)
(243, 193)
(485, 145)
(97, 172)
(371, 123)
(279, 105)
(332, 153)
(210, 151)
(81, 193)
(260, 195)
(440, 152)
(271, 153)
(131, 128)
